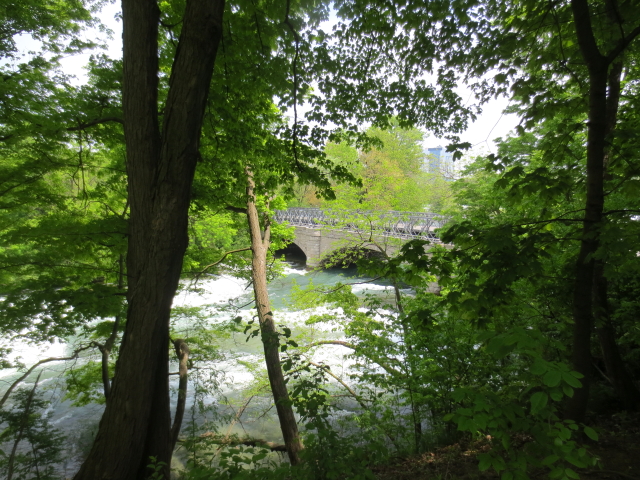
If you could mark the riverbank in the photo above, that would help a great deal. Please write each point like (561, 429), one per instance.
(617, 450)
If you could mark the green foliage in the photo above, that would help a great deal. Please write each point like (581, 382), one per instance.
(31, 446)
(84, 383)
(157, 469)
(391, 171)
(488, 352)
(521, 417)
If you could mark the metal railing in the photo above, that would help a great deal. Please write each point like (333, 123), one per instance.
(389, 223)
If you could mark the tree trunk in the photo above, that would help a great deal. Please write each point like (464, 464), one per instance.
(590, 240)
(617, 372)
(620, 378)
(182, 352)
(602, 112)
(136, 423)
(269, 334)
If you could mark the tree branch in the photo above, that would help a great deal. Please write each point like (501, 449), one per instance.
(97, 121)
(386, 367)
(624, 43)
(249, 442)
(609, 212)
(231, 208)
(225, 255)
(31, 369)
(23, 426)
(182, 352)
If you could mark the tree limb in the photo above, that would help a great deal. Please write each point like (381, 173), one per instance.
(249, 442)
(32, 368)
(97, 121)
(341, 382)
(182, 352)
(624, 43)
(23, 426)
(231, 208)
(225, 255)
(386, 367)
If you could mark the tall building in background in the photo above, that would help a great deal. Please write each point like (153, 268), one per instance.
(438, 160)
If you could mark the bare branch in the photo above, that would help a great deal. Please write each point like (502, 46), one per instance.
(182, 352)
(97, 121)
(31, 369)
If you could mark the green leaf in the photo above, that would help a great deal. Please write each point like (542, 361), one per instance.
(539, 367)
(485, 461)
(550, 459)
(552, 378)
(591, 433)
(571, 474)
(556, 395)
(570, 378)
(538, 401)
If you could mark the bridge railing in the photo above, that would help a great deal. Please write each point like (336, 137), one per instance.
(389, 223)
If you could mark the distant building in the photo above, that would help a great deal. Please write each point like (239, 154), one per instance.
(438, 160)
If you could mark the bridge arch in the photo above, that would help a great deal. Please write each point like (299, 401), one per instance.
(293, 252)
(319, 232)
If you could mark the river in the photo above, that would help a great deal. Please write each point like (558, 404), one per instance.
(220, 387)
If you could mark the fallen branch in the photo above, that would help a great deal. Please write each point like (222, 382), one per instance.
(248, 442)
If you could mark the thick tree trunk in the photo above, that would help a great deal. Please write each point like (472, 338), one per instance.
(590, 241)
(269, 334)
(136, 423)
(604, 74)
(617, 372)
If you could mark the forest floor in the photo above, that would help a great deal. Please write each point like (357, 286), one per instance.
(618, 451)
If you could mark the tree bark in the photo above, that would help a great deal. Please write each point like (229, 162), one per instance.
(269, 334)
(590, 241)
(617, 372)
(105, 349)
(136, 423)
(602, 112)
(182, 352)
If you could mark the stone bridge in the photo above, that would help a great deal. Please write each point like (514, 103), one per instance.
(319, 232)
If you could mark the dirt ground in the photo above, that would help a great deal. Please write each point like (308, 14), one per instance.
(618, 451)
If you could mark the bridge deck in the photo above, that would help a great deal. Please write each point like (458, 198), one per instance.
(397, 224)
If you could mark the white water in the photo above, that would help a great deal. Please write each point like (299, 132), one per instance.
(79, 423)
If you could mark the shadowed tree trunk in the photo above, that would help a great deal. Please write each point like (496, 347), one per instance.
(259, 246)
(582, 291)
(599, 125)
(617, 372)
(621, 380)
(136, 423)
